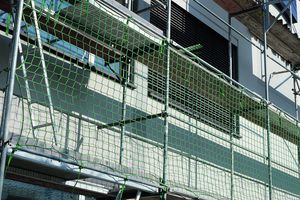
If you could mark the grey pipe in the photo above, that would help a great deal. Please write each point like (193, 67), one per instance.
(9, 92)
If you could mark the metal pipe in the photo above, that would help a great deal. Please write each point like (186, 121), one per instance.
(297, 115)
(9, 92)
(138, 195)
(230, 47)
(128, 121)
(166, 110)
(66, 150)
(78, 139)
(148, 8)
(232, 131)
(189, 157)
(125, 81)
(71, 166)
(279, 15)
(295, 98)
(284, 67)
(196, 174)
(291, 18)
(265, 30)
(44, 67)
(128, 4)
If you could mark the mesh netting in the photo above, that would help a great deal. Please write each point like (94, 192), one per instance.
(91, 89)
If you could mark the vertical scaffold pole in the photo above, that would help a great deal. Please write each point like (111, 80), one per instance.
(9, 92)
(265, 11)
(125, 82)
(295, 98)
(166, 123)
(232, 131)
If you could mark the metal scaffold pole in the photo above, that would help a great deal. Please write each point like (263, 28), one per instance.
(265, 30)
(295, 97)
(9, 92)
(125, 82)
(232, 131)
(166, 123)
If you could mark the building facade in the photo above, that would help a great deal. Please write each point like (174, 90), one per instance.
(150, 99)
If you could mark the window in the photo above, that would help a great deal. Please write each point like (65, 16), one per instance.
(187, 31)
(115, 69)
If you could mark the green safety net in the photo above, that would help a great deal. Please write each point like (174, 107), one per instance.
(98, 99)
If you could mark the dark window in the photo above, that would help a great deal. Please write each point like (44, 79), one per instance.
(188, 31)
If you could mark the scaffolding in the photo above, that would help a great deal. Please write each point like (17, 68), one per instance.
(109, 98)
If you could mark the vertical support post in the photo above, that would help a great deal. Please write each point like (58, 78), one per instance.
(138, 195)
(234, 128)
(66, 151)
(291, 18)
(128, 4)
(297, 117)
(79, 139)
(265, 11)
(230, 47)
(125, 81)
(189, 157)
(40, 47)
(166, 123)
(295, 98)
(9, 92)
(196, 174)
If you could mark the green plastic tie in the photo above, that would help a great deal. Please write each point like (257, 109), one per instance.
(222, 91)
(78, 177)
(10, 158)
(241, 102)
(162, 48)
(280, 120)
(8, 24)
(126, 35)
(122, 189)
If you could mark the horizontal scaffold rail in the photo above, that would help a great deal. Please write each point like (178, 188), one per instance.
(128, 121)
